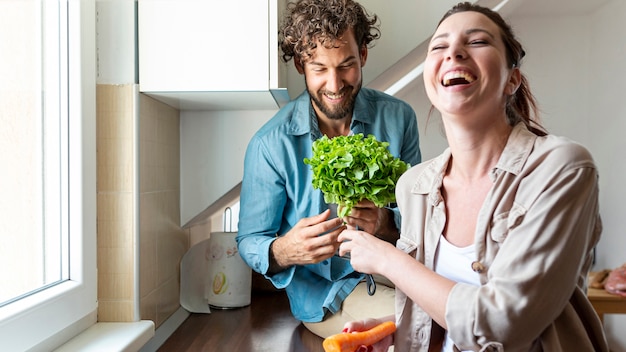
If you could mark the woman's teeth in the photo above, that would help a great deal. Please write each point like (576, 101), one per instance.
(457, 77)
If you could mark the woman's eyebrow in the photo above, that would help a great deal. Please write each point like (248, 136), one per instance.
(479, 30)
(469, 31)
(442, 35)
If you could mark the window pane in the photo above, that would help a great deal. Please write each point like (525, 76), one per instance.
(32, 116)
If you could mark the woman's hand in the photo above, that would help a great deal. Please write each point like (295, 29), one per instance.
(366, 324)
(365, 216)
(366, 252)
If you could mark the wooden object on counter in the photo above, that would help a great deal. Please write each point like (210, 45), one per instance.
(606, 303)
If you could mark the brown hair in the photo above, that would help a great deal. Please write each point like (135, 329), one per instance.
(307, 21)
(521, 106)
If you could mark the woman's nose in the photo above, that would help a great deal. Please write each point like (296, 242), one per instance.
(456, 52)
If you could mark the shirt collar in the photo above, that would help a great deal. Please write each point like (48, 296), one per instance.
(514, 156)
(431, 177)
(300, 121)
(362, 109)
(304, 119)
(517, 149)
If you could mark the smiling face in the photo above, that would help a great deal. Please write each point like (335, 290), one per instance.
(466, 70)
(333, 77)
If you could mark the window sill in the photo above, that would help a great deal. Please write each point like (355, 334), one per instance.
(111, 337)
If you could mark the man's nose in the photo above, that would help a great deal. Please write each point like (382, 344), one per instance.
(335, 82)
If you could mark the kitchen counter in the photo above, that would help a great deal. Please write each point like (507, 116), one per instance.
(606, 303)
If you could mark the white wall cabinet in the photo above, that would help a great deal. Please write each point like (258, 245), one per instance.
(211, 55)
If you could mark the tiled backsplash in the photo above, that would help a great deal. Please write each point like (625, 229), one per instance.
(162, 242)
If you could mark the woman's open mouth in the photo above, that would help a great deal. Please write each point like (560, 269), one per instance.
(454, 78)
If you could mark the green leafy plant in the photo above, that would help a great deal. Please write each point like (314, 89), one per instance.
(349, 169)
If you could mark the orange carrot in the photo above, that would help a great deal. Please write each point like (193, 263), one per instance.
(350, 341)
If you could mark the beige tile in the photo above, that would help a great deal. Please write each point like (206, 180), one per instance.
(162, 209)
(115, 111)
(116, 260)
(199, 233)
(144, 153)
(170, 250)
(148, 109)
(159, 122)
(116, 178)
(167, 128)
(157, 173)
(162, 241)
(116, 287)
(115, 160)
(169, 300)
(149, 179)
(115, 311)
(152, 153)
(112, 234)
(115, 97)
(148, 215)
(116, 206)
(172, 177)
(115, 125)
(148, 306)
(115, 151)
(154, 216)
(171, 206)
(148, 280)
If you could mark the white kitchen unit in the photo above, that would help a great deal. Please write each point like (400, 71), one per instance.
(211, 55)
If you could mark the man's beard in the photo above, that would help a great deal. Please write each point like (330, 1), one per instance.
(336, 112)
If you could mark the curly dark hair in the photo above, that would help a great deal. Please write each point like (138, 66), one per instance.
(521, 106)
(308, 21)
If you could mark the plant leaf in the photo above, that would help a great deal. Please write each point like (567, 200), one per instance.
(349, 169)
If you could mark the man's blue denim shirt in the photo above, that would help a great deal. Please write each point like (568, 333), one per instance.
(277, 192)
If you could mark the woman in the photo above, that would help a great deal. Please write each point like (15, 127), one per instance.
(500, 228)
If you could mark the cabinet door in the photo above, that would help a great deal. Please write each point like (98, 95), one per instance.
(204, 45)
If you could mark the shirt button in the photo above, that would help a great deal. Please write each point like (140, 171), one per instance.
(325, 262)
(478, 267)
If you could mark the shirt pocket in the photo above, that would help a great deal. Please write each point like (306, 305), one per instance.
(503, 223)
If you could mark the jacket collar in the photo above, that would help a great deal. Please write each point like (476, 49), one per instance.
(514, 156)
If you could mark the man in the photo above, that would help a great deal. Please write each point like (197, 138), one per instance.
(286, 231)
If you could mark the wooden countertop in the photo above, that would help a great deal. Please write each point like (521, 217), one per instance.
(606, 303)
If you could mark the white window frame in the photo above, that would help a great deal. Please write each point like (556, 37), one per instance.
(49, 318)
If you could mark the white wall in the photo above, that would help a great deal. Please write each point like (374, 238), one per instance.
(431, 133)
(212, 148)
(115, 39)
(557, 66)
(607, 125)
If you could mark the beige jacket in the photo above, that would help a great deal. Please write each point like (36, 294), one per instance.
(534, 242)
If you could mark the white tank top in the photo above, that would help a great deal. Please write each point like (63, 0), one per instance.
(455, 263)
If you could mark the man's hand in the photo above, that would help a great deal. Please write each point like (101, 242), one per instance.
(372, 219)
(312, 240)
